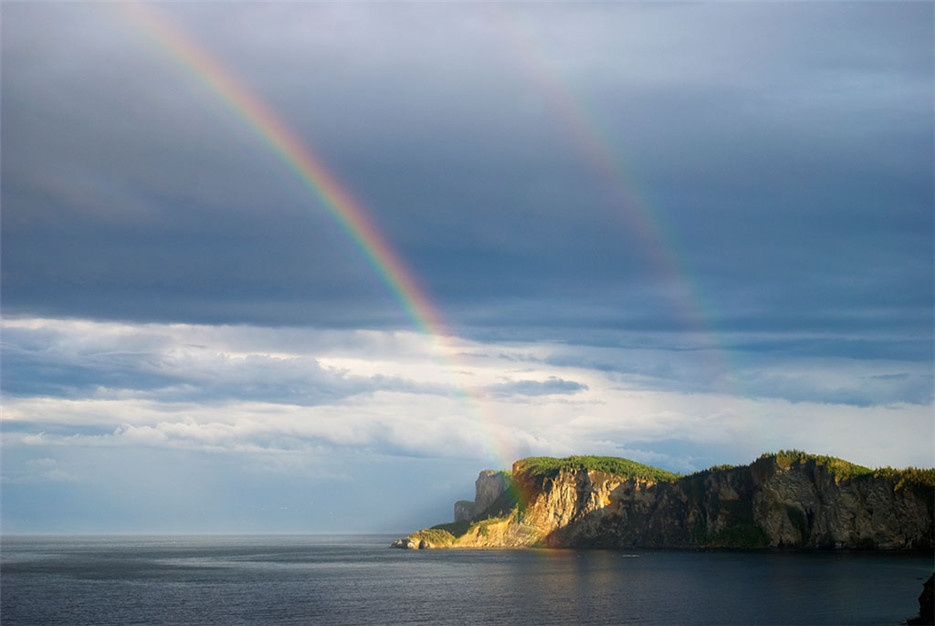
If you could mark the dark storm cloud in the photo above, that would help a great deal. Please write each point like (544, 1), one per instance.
(784, 150)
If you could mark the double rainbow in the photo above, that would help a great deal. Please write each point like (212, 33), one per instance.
(354, 220)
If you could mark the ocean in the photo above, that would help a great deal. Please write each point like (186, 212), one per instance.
(360, 580)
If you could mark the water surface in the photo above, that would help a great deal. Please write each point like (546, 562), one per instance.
(359, 580)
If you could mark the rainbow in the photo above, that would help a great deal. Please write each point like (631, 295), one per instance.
(307, 166)
(331, 195)
(583, 128)
(584, 132)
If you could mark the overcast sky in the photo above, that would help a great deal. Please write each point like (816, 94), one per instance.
(681, 233)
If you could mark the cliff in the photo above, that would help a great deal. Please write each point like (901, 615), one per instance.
(783, 500)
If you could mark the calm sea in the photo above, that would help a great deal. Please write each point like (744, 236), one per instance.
(359, 580)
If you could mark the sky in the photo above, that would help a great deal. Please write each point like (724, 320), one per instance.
(310, 267)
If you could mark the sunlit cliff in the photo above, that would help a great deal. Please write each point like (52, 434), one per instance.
(782, 500)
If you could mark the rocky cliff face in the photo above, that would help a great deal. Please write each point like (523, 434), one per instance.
(464, 511)
(776, 501)
(488, 487)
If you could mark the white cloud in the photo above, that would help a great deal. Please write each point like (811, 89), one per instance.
(243, 389)
(414, 424)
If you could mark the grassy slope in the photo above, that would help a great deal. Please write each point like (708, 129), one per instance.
(550, 467)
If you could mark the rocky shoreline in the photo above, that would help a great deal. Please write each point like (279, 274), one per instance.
(780, 501)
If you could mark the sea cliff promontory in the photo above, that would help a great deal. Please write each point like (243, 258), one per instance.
(788, 499)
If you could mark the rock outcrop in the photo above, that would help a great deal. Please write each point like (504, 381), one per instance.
(406, 543)
(488, 487)
(785, 500)
(464, 510)
(926, 614)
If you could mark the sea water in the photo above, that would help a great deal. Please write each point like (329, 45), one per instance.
(360, 580)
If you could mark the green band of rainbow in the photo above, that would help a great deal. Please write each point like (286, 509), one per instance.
(332, 196)
(303, 163)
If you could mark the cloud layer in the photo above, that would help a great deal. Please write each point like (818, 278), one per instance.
(197, 409)
(683, 233)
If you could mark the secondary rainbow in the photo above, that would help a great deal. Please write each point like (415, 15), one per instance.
(585, 132)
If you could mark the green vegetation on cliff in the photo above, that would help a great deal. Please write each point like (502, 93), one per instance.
(911, 477)
(435, 536)
(444, 535)
(839, 468)
(549, 467)
(455, 529)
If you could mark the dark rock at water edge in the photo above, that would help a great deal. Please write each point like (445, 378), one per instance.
(411, 543)
(926, 604)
